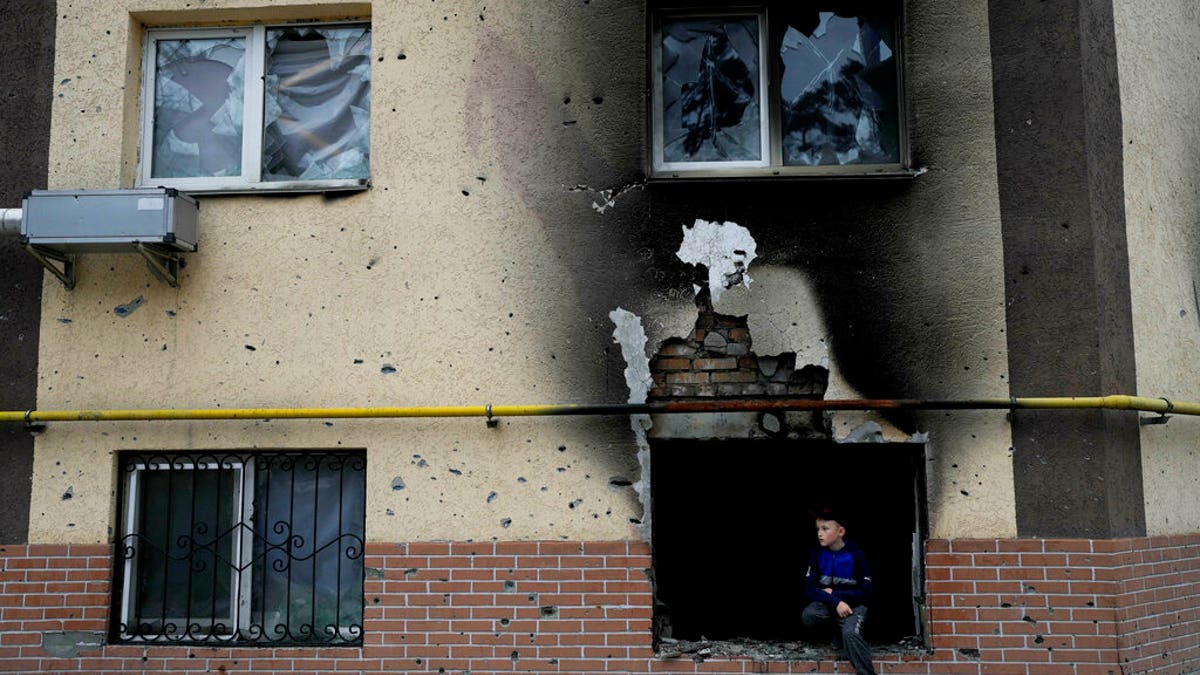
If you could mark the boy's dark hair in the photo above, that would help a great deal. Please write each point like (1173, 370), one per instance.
(829, 513)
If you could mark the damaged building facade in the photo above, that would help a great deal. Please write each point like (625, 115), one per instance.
(600, 202)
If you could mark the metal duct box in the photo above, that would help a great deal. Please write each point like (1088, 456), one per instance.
(109, 221)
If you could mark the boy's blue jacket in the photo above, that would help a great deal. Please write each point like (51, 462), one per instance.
(844, 571)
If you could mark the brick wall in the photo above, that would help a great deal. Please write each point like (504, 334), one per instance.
(1067, 606)
(1020, 607)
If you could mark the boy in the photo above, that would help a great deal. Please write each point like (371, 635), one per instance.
(838, 584)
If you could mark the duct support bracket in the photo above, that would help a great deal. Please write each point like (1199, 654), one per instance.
(47, 258)
(163, 264)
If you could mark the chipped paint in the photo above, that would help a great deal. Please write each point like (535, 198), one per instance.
(129, 307)
(725, 249)
(607, 196)
(629, 333)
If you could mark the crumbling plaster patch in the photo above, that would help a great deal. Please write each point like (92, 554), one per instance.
(724, 249)
(630, 334)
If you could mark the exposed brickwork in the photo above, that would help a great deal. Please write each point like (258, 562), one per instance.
(716, 359)
(1019, 607)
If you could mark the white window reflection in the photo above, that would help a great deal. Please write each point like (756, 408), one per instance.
(257, 108)
(838, 89)
(710, 90)
(199, 87)
(318, 98)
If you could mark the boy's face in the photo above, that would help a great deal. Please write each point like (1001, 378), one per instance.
(829, 533)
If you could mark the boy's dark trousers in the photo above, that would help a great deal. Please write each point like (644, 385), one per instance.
(819, 614)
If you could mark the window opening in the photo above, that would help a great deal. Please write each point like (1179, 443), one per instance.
(778, 90)
(257, 108)
(732, 532)
(262, 547)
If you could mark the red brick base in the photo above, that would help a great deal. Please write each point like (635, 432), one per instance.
(1020, 607)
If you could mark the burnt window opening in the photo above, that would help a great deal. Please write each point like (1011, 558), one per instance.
(732, 533)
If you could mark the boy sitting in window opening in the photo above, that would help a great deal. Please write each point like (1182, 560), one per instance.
(838, 584)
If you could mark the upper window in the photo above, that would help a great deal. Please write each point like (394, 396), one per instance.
(778, 90)
(257, 108)
(252, 548)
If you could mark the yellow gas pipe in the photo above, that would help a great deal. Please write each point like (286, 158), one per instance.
(1112, 402)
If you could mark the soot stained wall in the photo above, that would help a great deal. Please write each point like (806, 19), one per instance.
(887, 258)
(27, 68)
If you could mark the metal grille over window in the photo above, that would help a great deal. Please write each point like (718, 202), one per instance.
(245, 547)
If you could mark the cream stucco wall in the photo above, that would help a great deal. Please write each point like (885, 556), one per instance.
(477, 267)
(1157, 50)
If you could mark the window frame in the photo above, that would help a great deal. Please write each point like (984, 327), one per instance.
(253, 104)
(770, 97)
(240, 580)
(250, 554)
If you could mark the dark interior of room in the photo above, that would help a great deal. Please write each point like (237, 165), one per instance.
(732, 532)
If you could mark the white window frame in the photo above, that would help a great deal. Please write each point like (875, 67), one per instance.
(240, 580)
(770, 117)
(252, 118)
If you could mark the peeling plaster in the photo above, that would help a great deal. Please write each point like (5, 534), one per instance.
(608, 196)
(867, 432)
(725, 249)
(629, 333)
(873, 432)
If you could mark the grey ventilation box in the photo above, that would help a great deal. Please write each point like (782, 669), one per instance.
(158, 223)
(109, 221)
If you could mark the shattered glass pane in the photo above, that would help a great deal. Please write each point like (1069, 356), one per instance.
(198, 90)
(316, 117)
(710, 95)
(839, 90)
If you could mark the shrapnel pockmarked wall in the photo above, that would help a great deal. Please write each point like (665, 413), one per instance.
(1007, 606)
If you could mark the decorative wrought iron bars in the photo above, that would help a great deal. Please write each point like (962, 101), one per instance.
(253, 547)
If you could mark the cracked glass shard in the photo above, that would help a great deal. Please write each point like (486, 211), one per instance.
(710, 98)
(316, 113)
(838, 90)
(198, 88)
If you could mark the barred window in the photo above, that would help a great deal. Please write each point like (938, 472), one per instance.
(245, 547)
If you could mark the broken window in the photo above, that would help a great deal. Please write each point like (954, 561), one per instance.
(778, 90)
(732, 532)
(257, 108)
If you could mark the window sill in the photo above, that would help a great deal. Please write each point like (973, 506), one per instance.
(775, 650)
(781, 173)
(275, 187)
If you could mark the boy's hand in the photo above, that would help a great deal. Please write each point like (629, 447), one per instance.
(844, 610)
